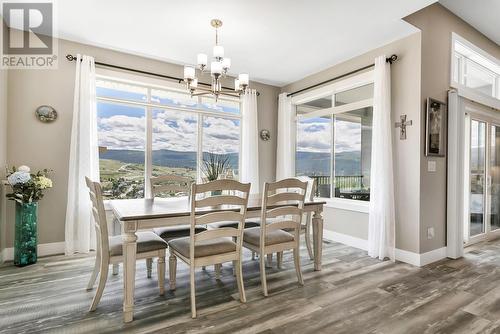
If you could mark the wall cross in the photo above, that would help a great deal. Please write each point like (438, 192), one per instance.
(402, 124)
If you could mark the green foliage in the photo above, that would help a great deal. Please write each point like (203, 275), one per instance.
(214, 165)
(32, 190)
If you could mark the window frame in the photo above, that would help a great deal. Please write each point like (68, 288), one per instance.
(458, 60)
(355, 81)
(150, 106)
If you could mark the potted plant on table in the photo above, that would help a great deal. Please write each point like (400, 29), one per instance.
(214, 166)
(27, 190)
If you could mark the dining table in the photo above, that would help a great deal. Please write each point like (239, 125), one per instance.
(147, 213)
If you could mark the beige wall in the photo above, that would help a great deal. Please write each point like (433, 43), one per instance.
(437, 24)
(405, 76)
(42, 145)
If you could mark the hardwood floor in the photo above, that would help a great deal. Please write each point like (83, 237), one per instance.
(353, 294)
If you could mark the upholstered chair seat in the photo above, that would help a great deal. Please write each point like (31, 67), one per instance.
(146, 242)
(173, 232)
(203, 248)
(252, 236)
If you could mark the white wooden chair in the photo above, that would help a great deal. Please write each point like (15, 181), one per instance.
(109, 249)
(177, 184)
(212, 246)
(306, 227)
(271, 237)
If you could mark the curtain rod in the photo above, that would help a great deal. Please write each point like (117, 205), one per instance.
(390, 60)
(164, 76)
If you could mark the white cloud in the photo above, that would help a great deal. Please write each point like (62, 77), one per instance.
(172, 130)
(316, 136)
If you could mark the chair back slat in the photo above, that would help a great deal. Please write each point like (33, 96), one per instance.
(283, 197)
(291, 191)
(220, 200)
(236, 207)
(221, 185)
(285, 184)
(223, 232)
(99, 215)
(281, 225)
(283, 211)
(221, 216)
(169, 183)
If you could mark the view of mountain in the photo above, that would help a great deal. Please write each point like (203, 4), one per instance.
(167, 158)
(309, 163)
(314, 163)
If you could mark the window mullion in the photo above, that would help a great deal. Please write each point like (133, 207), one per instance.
(148, 165)
(199, 141)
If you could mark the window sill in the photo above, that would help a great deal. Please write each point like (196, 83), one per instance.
(347, 204)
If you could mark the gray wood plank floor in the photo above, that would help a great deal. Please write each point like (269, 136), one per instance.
(352, 294)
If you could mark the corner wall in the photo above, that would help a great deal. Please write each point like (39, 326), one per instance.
(40, 145)
(405, 76)
(3, 155)
(436, 24)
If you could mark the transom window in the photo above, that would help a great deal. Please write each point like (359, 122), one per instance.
(474, 69)
(147, 131)
(334, 132)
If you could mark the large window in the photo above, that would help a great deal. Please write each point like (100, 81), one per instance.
(149, 131)
(334, 133)
(474, 69)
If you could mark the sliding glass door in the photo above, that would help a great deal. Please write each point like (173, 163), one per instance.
(483, 178)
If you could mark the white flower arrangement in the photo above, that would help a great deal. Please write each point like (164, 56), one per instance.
(26, 187)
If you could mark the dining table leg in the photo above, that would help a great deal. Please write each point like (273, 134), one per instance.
(129, 261)
(317, 225)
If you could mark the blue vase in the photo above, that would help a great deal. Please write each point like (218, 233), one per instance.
(26, 240)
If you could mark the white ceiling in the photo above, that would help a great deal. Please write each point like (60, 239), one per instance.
(482, 15)
(276, 42)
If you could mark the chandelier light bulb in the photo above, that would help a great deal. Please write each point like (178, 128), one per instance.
(202, 59)
(237, 85)
(226, 63)
(194, 84)
(244, 79)
(189, 73)
(216, 67)
(218, 51)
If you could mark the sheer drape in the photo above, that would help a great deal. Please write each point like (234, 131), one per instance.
(250, 141)
(381, 231)
(285, 155)
(84, 159)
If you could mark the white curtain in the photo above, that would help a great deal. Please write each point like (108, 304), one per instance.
(285, 155)
(83, 161)
(381, 231)
(250, 141)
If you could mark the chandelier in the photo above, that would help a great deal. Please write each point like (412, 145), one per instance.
(219, 67)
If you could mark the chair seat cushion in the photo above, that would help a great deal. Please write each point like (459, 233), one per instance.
(180, 231)
(203, 248)
(146, 242)
(252, 236)
(256, 221)
(234, 224)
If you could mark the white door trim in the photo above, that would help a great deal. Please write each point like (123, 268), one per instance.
(458, 106)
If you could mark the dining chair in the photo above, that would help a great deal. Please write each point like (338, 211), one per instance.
(171, 184)
(282, 208)
(212, 247)
(109, 249)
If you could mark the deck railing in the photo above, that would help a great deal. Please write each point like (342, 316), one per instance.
(342, 183)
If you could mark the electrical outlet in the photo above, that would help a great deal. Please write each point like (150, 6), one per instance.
(431, 166)
(430, 232)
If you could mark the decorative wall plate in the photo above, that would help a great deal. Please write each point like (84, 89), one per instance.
(46, 114)
(265, 135)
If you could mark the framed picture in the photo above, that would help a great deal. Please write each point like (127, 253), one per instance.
(435, 128)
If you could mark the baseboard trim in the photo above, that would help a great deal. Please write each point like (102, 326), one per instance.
(346, 239)
(415, 259)
(53, 248)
